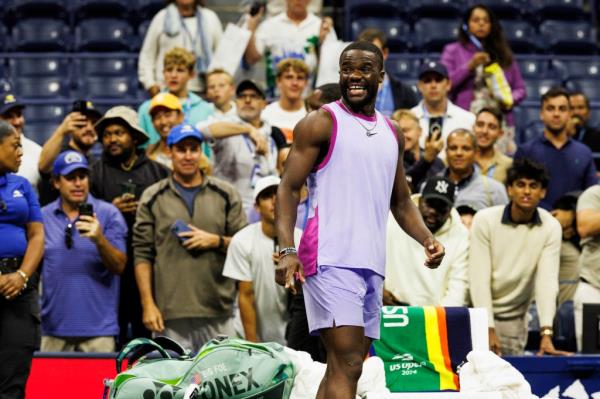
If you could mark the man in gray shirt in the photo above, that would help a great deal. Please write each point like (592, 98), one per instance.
(472, 188)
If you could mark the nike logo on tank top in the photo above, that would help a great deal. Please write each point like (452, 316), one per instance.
(350, 193)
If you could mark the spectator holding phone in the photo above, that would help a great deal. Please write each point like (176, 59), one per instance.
(120, 176)
(436, 113)
(84, 256)
(183, 227)
(76, 133)
(480, 43)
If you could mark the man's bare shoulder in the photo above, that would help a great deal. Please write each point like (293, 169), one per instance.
(315, 127)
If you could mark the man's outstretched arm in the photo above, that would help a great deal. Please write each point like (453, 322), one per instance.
(311, 135)
(408, 216)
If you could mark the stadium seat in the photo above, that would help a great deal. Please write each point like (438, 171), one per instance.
(537, 87)
(590, 87)
(569, 37)
(3, 35)
(431, 35)
(399, 65)
(41, 87)
(560, 9)
(578, 68)
(22, 9)
(434, 8)
(106, 66)
(107, 87)
(146, 9)
(57, 66)
(521, 36)
(532, 130)
(83, 9)
(143, 28)
(509, 9)
(40, 34)
(44, 113)
(40, 132)
(532, 68)
(374, 8)
(103, 34)
(526, 114)
(396, 31)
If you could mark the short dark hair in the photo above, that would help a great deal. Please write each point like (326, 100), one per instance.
(525, 168)
(580, 93)
(365, 46)
(553, 92)
(491, 110)
(6, 129)
(330, 92)
(372, 34)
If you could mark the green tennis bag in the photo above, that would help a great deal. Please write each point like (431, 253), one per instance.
(224, 368)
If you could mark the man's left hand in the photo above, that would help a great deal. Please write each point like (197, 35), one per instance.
(434, 251)
(89, 227)
(199, 239)
(547, 348)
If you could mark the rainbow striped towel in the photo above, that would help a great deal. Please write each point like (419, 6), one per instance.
(422, 347)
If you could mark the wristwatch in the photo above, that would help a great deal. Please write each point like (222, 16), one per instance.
(221, 242)
(546, 332)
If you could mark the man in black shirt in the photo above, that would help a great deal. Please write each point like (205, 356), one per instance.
(588, 135)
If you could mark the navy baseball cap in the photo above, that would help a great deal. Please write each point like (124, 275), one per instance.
(433, 66)
(182, 132)
(9, 101)
(68, 161)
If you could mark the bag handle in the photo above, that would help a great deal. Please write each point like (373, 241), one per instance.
(137, 348)
(172, 345)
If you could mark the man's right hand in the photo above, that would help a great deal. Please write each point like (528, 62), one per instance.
(152, 318)
(433, 146)
(72, 122)
(494, 342)
(259, 140)
(290, 272)
(126, 203)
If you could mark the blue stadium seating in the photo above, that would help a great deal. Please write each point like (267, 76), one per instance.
(107, 87)
(83, 9)
(508, 9)
(589, 86)
(537, 87)
(564, 37)
(143, 28)
(22, 9)
(146, 9)
(41, 87)
(431, 35)
(374, 8)
(40, 34)
(106, 66)
(434, 8)
(57, 66)
(532, 68)
(44, 114)
(532, 130)
(521, 36)
(578, 68)
(103, 34)
(560, 9)
(396, 30)
(402, 66)
(3, 36)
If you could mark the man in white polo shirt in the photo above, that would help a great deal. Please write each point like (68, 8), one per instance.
(436, 112)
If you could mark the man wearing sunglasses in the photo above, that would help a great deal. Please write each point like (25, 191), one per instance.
(84, 256)
(436, 113)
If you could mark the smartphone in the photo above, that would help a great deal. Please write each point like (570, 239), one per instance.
(128, 188)
(86, 209)
(179, 226)
(276, 245)
(435, 127)
(256, 6)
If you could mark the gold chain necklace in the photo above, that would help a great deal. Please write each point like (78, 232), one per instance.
(128, 166)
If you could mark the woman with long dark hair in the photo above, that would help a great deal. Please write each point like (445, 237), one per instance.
(21, 250)
(481, 42)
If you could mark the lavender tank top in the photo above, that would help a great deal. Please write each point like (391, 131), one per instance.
(350, 193)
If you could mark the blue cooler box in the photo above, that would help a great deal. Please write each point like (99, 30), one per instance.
(545, 373)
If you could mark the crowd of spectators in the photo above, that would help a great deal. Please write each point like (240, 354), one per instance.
(170, 230)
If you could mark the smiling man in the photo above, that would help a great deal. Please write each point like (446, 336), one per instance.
(514, 259)
(352, 157)
(487, 130)
(180, 271)
(569, 162)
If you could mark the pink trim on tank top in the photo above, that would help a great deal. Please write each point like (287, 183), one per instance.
(361, 116)
(334, 131)
(309, 245)
(392, 128)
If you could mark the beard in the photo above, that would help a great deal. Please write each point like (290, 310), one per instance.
(83, 146)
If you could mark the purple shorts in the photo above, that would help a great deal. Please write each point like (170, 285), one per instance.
(338, 296)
